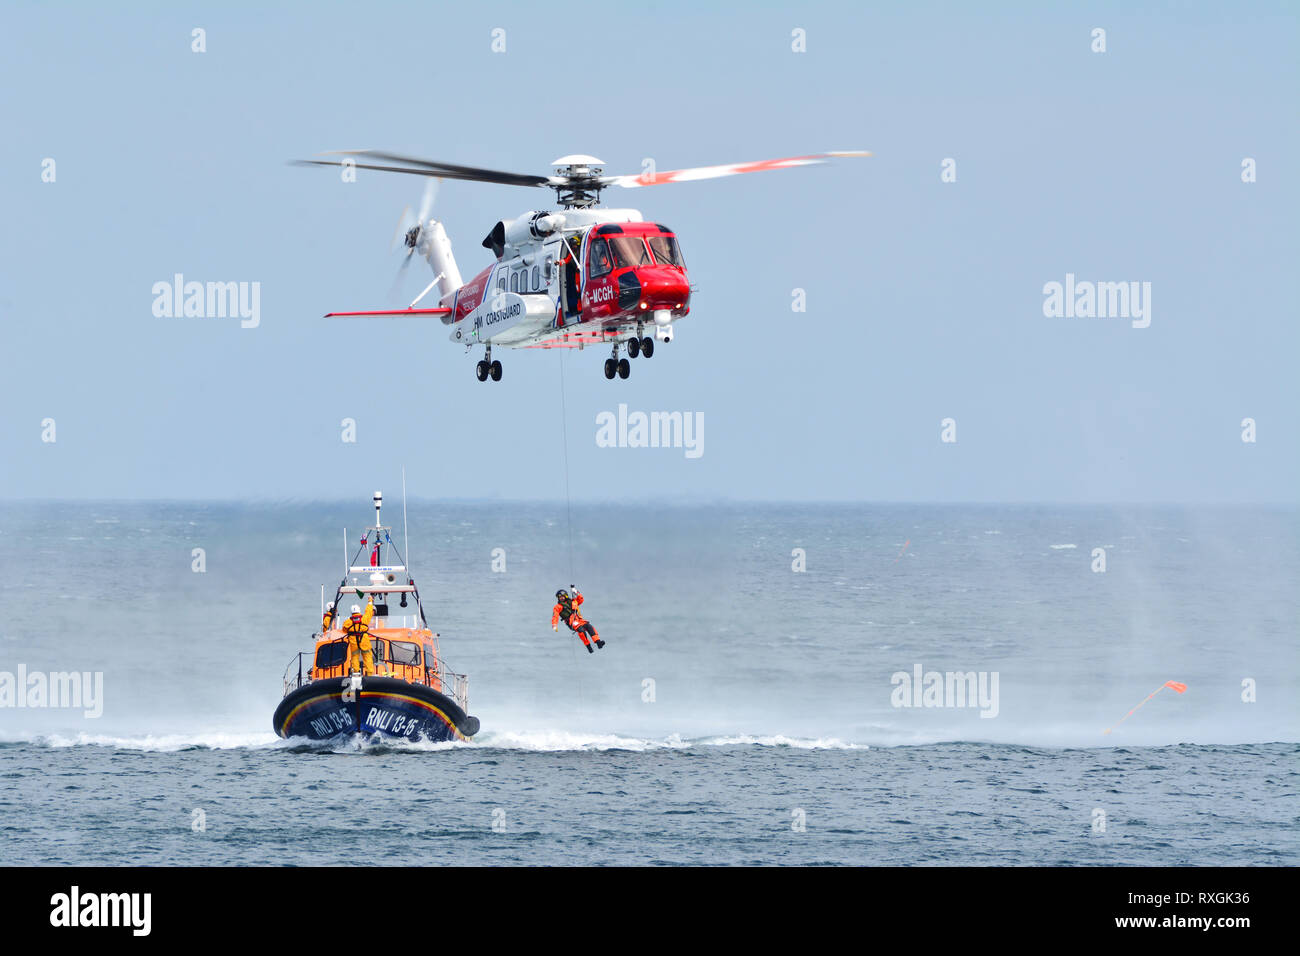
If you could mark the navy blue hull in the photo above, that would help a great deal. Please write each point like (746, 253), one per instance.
(325, 709)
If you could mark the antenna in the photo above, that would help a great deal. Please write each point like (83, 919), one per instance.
(345, 551)
(406, 538)
(379, 501)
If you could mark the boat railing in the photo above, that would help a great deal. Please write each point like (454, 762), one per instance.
(294, 676)
(455, 686)
(439, 677)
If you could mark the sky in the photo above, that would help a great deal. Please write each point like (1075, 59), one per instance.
(924, 298)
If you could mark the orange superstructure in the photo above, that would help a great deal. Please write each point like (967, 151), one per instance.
(408, 653)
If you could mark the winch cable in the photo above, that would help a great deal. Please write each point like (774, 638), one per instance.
(568, 507)
(568, 517)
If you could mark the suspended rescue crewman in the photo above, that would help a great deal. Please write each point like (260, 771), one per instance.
(328, 619)
(566, 609)
(357, 631)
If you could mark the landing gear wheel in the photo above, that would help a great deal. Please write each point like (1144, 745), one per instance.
(624, 368)
(647, 346)
(633, 347)
(495, 370)
(611, 367)
(481, 370)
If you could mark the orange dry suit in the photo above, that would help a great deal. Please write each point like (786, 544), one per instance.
(327, 620)
(357, 631)
(568, 611)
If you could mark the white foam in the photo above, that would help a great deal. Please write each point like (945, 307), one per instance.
(560, 740)
(166, 743)
(527, 740)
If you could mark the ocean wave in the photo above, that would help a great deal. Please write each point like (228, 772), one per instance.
(163, 743)
(524, 740)
(560, 741)
(556, 740)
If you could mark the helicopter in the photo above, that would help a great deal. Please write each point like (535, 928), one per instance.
(568, 278)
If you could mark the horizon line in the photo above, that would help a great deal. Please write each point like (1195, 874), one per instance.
(673, 501)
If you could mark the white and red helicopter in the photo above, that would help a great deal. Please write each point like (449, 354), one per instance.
(579, 276)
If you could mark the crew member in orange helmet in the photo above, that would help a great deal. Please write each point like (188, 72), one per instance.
(566, 608)
(357, 629)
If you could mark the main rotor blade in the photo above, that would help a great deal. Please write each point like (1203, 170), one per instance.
(489, 175)
(452, 171)
(435, 173)
(728, 169)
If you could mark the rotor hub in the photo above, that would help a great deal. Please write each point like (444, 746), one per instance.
(578, 181)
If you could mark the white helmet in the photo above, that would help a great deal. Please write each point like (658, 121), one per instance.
(330, 606)
(356, 609)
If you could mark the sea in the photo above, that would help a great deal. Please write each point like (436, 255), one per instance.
(782, 684)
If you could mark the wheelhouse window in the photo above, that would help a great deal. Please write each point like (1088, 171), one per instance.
(537, 278)
(332, 654)
(598, 259)
(514, 282)
(666, 251)
(404, 652)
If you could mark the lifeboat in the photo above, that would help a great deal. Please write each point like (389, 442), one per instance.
(402, 689)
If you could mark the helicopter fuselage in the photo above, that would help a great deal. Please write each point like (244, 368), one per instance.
(567, 279)
(572, 278)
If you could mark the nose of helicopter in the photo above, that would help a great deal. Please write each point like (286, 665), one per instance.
(663, 287)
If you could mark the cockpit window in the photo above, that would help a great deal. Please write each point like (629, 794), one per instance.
(666, 251)
(598, 256)
(629, 251)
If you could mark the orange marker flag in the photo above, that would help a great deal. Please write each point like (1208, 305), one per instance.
(1171, 684)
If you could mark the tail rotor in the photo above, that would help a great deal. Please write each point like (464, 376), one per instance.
(410, 230)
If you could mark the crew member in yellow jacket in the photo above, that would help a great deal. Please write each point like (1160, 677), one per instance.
(357, 630)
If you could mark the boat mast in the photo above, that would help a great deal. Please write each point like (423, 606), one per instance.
(406, 538)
